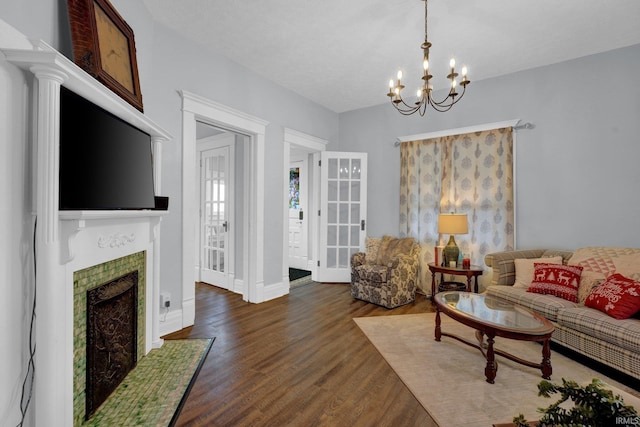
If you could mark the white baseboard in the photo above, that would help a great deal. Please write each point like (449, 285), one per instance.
(237, 286)
(172, 322)
(188, 312)
(275, 290)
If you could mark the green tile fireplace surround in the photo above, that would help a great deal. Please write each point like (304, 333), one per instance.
(83, 281)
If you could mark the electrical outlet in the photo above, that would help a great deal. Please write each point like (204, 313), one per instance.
(165, 299)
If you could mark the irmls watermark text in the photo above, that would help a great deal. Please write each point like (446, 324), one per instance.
(627, 421)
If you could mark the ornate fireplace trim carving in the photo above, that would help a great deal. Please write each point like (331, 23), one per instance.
(116, 240)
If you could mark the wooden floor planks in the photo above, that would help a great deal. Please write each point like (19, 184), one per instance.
(298, 360)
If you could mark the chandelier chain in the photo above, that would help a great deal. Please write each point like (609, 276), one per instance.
(425, 22)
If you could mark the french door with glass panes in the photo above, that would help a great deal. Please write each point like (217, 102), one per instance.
(343, 213)
(214, 225)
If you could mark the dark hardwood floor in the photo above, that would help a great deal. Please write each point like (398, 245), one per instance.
(299, 360)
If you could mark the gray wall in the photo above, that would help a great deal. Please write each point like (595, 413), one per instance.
(576, 172)
(179, 64)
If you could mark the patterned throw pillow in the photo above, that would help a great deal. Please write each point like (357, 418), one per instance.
(588, 281)
(556, 279)
(524, 269)
(618, 296)
(372, 245)
(391, 247)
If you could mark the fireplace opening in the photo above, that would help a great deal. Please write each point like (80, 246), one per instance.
(112, 324)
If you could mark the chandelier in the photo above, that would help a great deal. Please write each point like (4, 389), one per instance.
(424, 94)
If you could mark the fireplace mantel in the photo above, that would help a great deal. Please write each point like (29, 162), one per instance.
(115, 214)
(67, 241)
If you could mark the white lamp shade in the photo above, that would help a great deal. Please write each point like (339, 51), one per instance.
(453, 224)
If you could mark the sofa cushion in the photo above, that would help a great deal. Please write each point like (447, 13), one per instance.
(608, 260)
(391, 247)
(524, 269)
(503, 267)
(558, 280)
(624, 333)
(372, 273)
(547, 305)
(618, 296)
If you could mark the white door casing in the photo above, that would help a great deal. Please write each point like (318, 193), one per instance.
(343, 213)
(196, 108)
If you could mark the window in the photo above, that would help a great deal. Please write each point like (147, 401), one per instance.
(468, 173)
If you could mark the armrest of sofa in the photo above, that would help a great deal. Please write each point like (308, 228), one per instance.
(403, 272)
(399, 261)
(504, 269)
(357, 259)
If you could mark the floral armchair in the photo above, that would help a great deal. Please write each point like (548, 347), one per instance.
(387, 273)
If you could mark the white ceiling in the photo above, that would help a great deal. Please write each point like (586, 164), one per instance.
(342, 53)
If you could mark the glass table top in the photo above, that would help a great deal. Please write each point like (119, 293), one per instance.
(492, 311)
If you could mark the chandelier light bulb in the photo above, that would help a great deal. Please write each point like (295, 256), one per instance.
(452, 63)
(464, 72)
(419, 93)
(425, 65)
(399, 74)
(453, 84)
(391, 84)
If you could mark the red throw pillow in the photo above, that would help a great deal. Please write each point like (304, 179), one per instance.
(556, 279)
(618, 296)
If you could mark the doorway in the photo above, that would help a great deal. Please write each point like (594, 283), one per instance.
(198, 109)
(301, 175)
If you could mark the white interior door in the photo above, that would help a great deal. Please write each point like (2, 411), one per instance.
(343, 213)
(298, 228)
(214, 216)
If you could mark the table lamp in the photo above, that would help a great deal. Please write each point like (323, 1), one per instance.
(452, 223)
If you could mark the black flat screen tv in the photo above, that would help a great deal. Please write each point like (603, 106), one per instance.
(105, 162)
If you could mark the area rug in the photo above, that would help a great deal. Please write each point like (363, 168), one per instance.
(152, 394)
(447, 377)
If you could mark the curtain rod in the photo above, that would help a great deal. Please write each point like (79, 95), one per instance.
(515, 127)
(524, 126)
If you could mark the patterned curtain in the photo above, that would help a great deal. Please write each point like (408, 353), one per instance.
(469, 173)
(421, 178)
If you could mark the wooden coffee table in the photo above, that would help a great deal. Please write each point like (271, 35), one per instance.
(493, 317)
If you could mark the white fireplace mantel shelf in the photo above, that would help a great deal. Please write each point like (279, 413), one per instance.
(107, 229)
(110, 214)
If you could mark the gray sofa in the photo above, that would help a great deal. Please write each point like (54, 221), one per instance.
(613, 342)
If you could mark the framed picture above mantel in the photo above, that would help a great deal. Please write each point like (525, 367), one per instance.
(104, 46)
